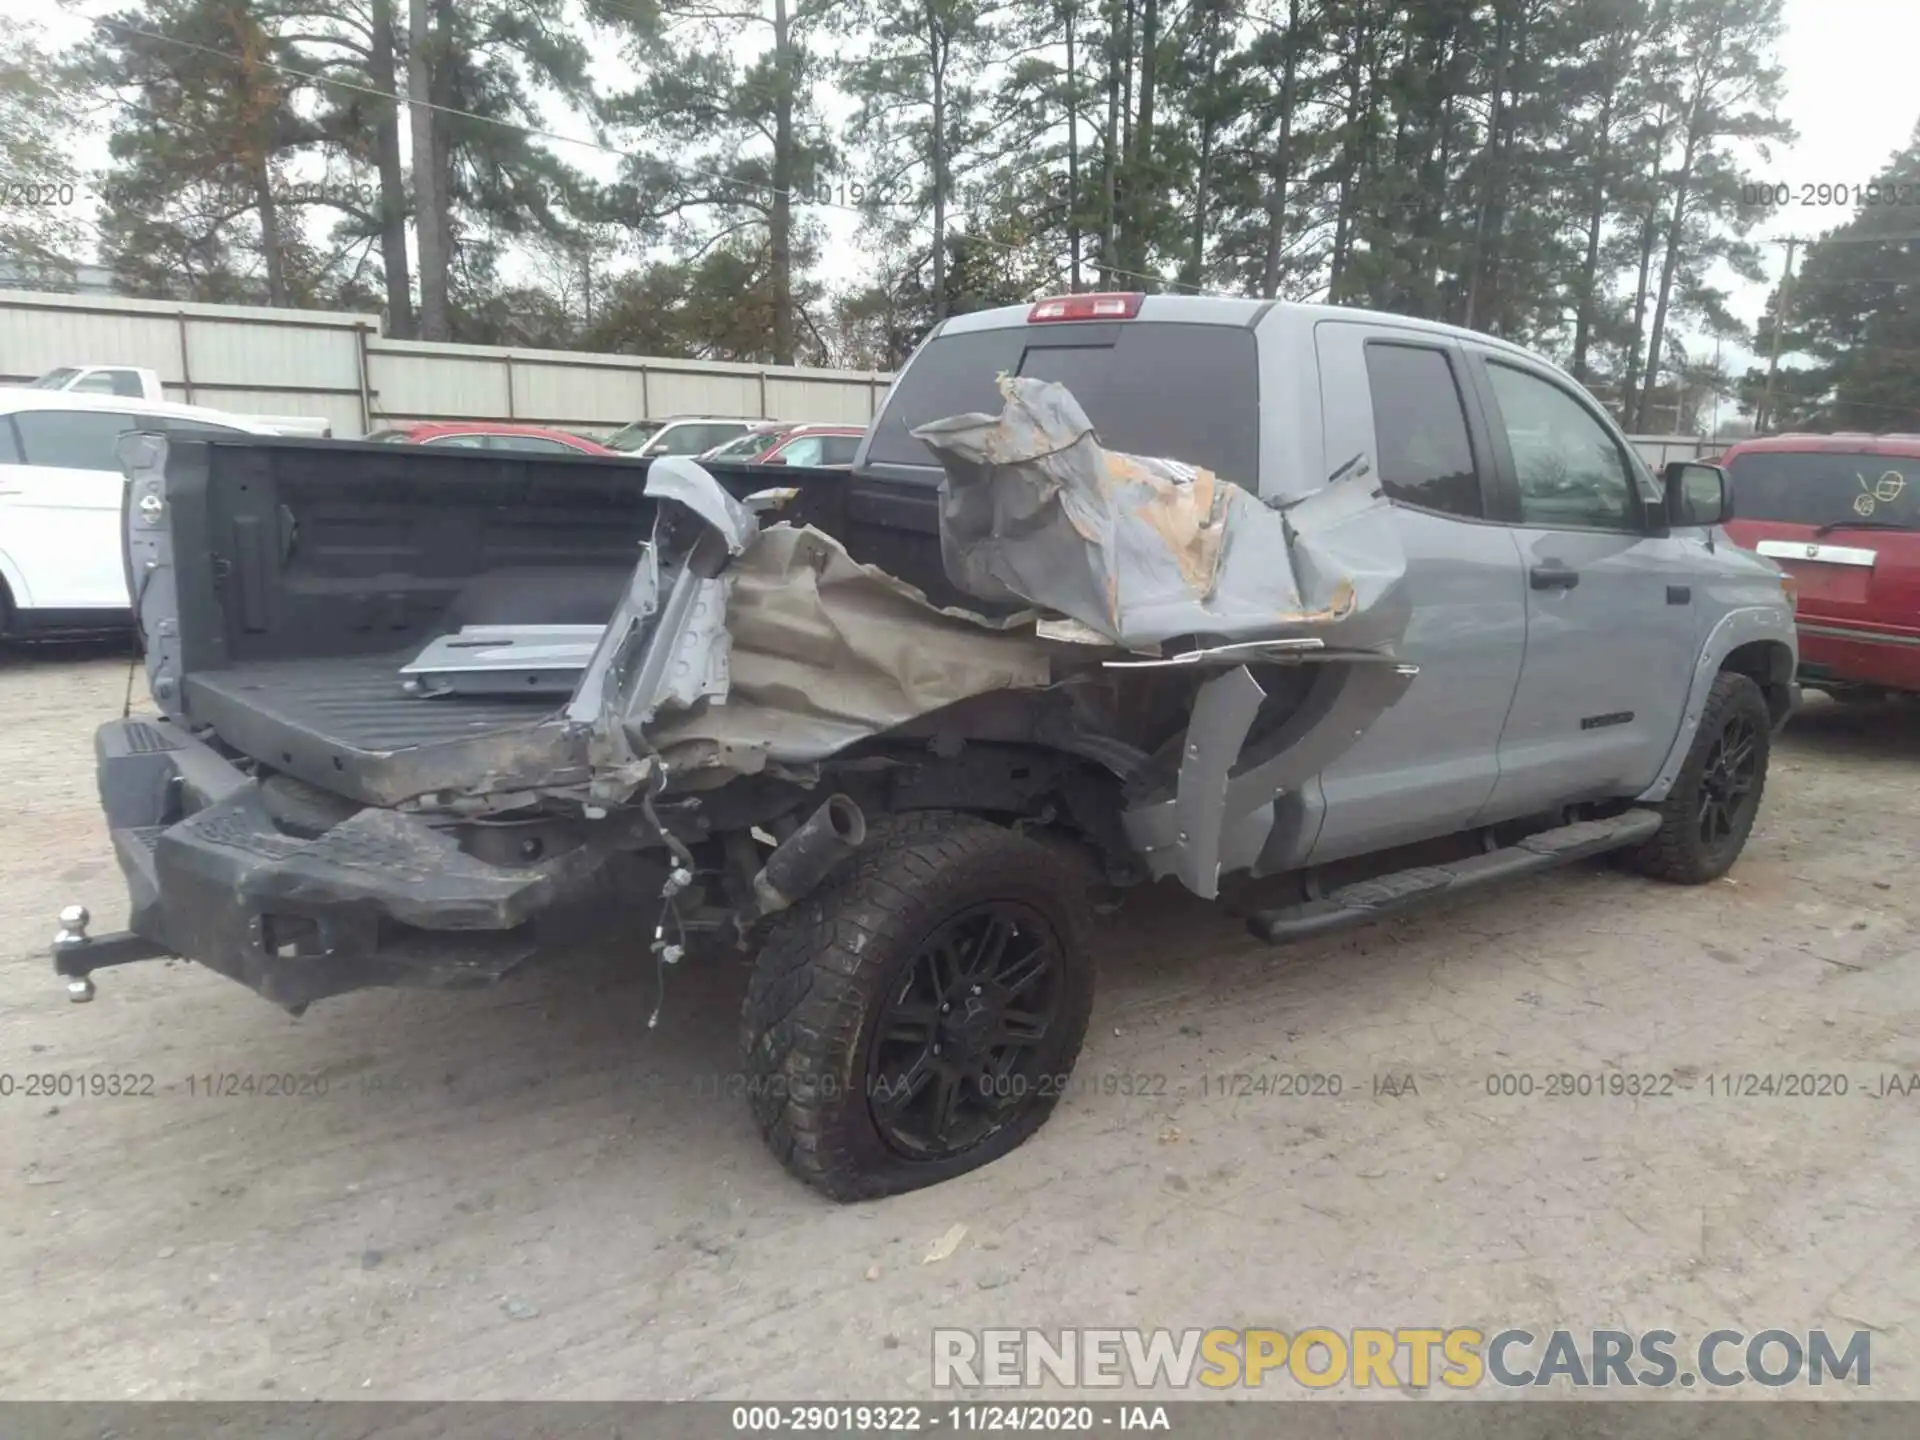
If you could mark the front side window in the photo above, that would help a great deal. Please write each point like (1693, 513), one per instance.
(464, 442)
(1425, 453)
(75, 439)
(1571, 473)
(804, 451)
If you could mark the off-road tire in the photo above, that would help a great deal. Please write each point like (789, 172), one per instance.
(1678, 852)
(819, 984)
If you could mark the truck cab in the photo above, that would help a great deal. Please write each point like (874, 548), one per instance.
(1564, 620)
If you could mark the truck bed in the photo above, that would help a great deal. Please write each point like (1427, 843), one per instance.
(304, 575)
(343, 722)
(351, 702)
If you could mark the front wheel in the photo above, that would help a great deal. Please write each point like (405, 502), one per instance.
(918, 1015)
(1710, 811)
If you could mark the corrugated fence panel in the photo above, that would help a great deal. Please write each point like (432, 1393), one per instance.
(412, 385)
(33, 341)
(683, 392)
(256, 360)
(848, 403)
(606, 396)
(221, 352)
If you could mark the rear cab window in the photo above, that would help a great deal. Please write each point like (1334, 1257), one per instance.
(1161, 388)
(1826, 488)
(1425, 451)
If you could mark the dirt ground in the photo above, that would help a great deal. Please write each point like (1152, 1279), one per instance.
(525, 1193)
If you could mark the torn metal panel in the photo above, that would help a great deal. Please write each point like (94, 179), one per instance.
(1146, 550)
(796, 649)
(685, 482)
(1336, 713)
(1223, 713)
(826, 651)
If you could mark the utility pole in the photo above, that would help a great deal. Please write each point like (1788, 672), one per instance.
(1761, 420)
(1713, 423)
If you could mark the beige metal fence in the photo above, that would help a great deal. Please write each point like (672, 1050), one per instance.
(340, 367)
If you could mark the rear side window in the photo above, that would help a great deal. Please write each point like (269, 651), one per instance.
(1826, 489)
(75, 439)
(1425, 454)
(1175, 391)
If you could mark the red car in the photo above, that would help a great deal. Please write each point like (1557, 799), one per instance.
(486, 435)
(1841, 515)
(783, 444)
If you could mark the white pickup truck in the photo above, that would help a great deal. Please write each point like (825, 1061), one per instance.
(136, 382)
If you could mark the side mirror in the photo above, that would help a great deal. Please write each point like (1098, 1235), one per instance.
(1697, 494)
(774, 460)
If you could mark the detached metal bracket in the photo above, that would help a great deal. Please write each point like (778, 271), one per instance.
(1223, 713)
(503, 660)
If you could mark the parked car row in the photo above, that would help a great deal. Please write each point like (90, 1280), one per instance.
(61, 484)
(1839, 513)
(752, 442)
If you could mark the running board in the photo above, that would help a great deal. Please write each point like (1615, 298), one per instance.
(1368, 900)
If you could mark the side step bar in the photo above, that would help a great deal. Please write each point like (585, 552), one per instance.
(1368, 900)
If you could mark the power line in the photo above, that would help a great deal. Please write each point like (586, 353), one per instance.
(595, 145)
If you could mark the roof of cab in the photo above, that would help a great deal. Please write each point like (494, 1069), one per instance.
(1231, 310)
(1853, 442)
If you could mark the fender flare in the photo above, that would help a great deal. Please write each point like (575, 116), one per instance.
(1738, 627)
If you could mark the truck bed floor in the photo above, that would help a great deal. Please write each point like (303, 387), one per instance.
(345, 723)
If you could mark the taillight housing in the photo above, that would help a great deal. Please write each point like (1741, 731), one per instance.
(1103, 305)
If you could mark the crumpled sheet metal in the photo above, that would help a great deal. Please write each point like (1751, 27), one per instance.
(1144, 550)
(826, 651)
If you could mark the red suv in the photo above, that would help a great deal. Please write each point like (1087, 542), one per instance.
(1841, 515)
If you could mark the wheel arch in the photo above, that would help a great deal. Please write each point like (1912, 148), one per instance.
(1770, 665)
(14, 594)
(1754, 640)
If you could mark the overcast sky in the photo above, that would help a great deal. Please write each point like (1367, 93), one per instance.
(1853, 95)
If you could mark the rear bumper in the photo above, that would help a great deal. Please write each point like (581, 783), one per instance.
(382, 898)
(1830, 651)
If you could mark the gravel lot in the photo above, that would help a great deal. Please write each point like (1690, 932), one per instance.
(524, 1193)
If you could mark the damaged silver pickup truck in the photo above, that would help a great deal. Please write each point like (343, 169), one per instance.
(1120, 589)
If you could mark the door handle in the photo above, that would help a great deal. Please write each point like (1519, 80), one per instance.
(1553, 576)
